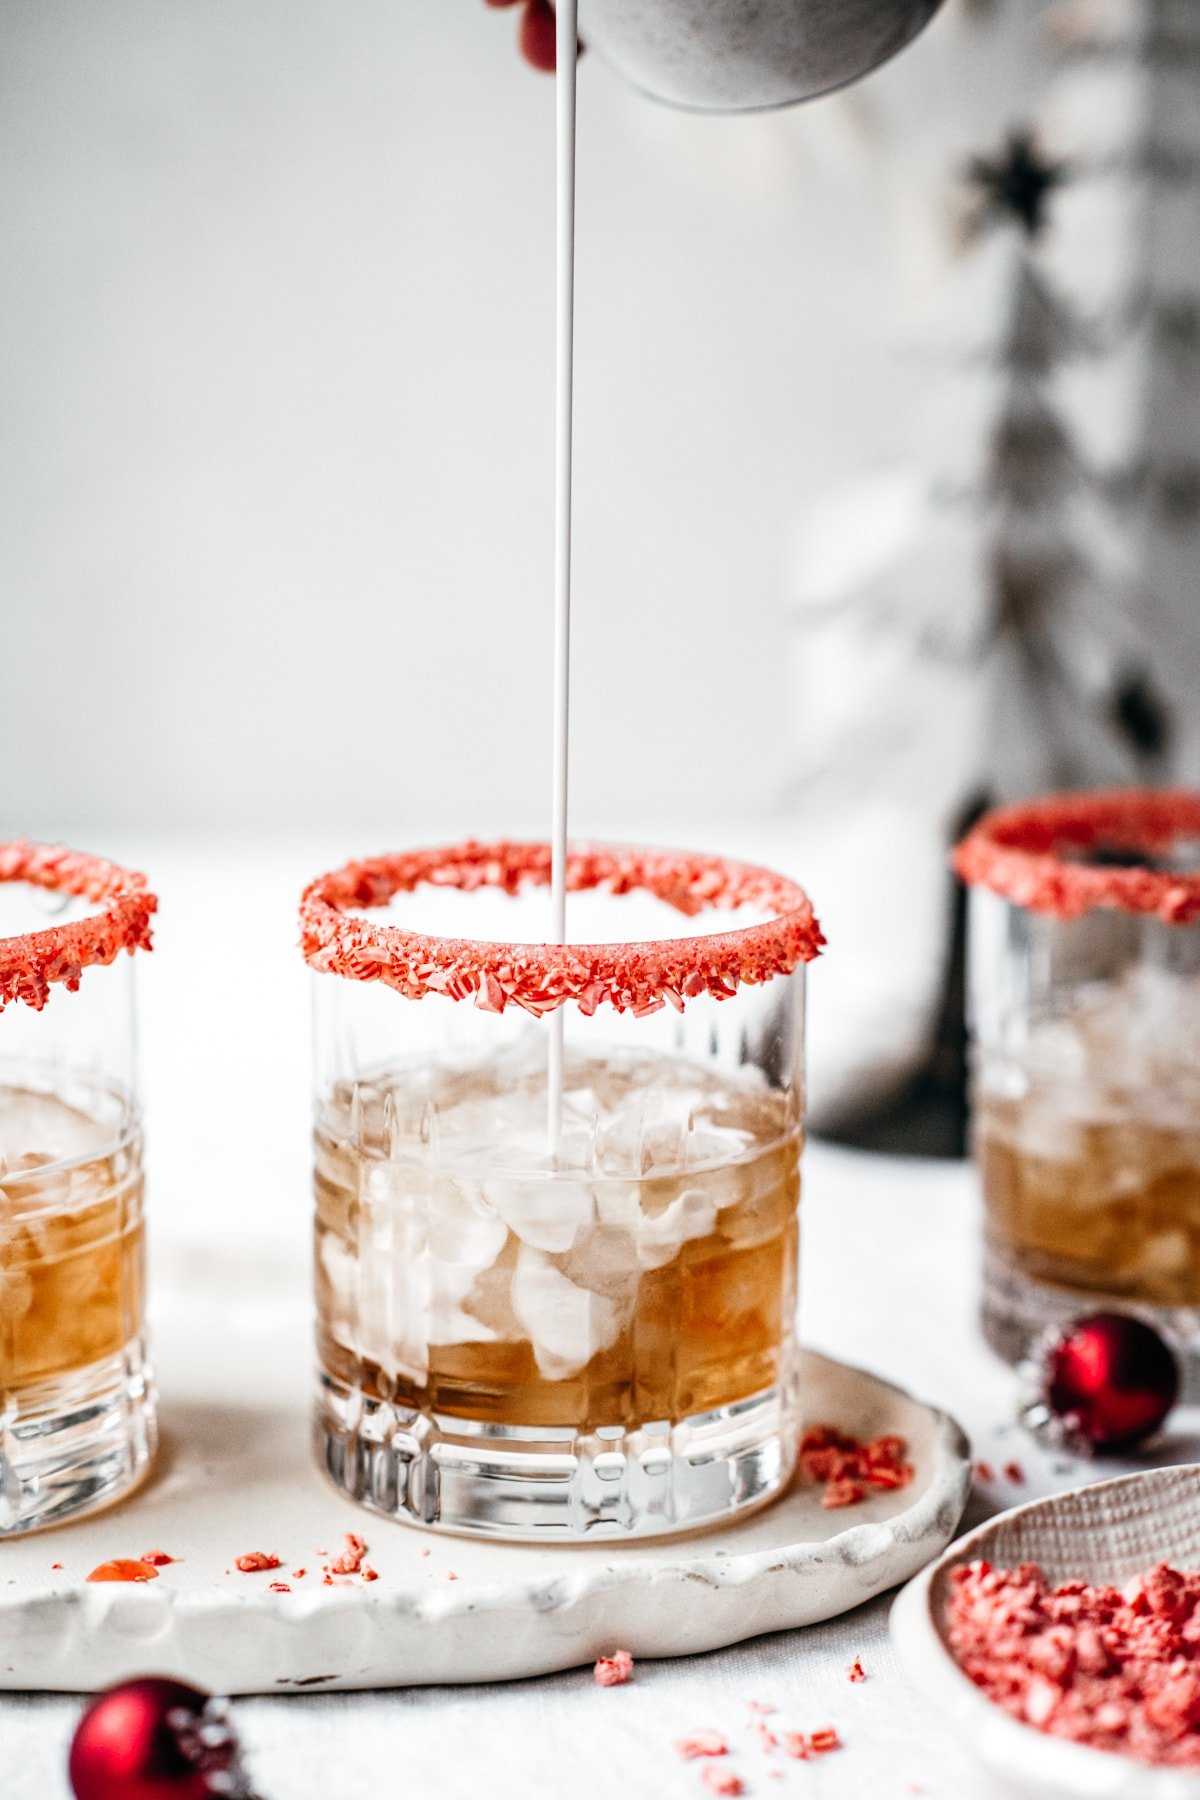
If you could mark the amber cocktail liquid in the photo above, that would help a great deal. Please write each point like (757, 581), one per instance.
(1111, 1206)
(73, 1238)
(649, 1275)
(594, 1334)
(76, 1406)
(1086, 1014)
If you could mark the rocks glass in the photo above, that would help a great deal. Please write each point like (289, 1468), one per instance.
(77, 1424)
(1085, 1013)
(571, 1319)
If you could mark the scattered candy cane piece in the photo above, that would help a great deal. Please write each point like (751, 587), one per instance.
(842, 1493)
(722, 1781)
(614, 1670)
(124, 1569)
(702, 1743)
(350, 1560)
(848, 1468)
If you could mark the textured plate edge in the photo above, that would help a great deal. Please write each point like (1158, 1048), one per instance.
(912, 1537)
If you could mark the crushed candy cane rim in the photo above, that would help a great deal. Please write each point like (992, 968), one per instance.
(635, 977)
(32, 962)
(1022, 853)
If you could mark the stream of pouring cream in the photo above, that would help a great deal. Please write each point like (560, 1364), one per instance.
(566, 60)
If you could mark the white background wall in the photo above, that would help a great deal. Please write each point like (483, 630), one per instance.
(275, 444)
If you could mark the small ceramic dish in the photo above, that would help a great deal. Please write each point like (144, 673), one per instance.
(1107, 1532)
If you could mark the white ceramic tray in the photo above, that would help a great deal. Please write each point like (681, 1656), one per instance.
(235, 1476)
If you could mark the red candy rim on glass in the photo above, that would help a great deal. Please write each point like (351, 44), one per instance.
(1019, 852)
(633, 977)
(30, 964)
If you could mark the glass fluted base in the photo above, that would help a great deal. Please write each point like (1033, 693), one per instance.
(537, 1483)
(1017, 1313)
(73, 1444)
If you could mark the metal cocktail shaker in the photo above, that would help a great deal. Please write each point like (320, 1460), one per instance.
(746, 55)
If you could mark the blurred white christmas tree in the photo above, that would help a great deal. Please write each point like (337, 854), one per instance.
(1011, 575)
(996, 567)
(1124, 112)
(1012, 607)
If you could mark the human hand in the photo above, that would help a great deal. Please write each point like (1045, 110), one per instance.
(536, 36)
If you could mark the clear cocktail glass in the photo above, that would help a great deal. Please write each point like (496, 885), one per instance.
(576, 1316)
(77, 1419)
(1085, 1004)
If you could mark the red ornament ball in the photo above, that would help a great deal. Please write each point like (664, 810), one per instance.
(1111, 1379)
(155, 1739)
